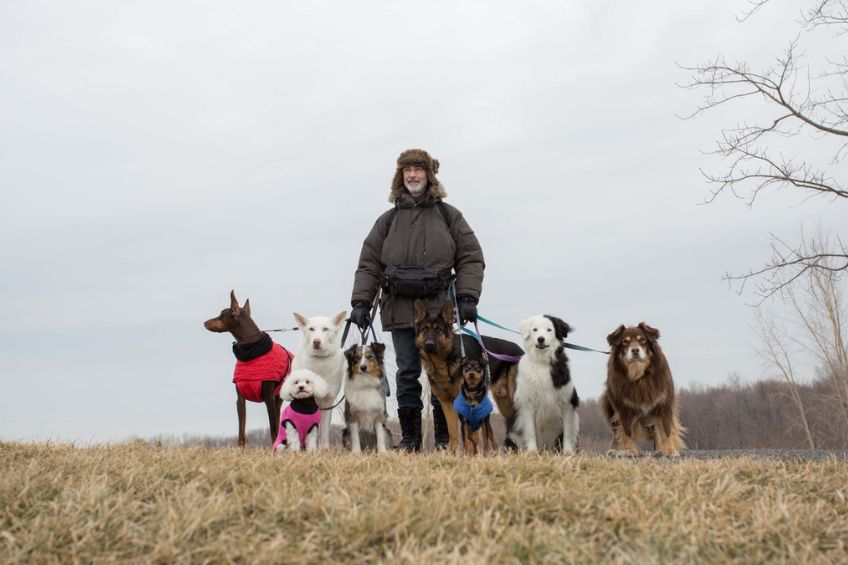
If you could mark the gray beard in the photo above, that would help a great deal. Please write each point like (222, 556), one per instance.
(417, 191)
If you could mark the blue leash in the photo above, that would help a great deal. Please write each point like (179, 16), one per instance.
(565, 344)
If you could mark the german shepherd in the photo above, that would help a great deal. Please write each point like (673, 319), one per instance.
(441, 356)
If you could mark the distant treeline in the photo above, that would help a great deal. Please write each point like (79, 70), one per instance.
(754, 415)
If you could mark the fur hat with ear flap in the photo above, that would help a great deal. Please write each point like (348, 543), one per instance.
(419, 158)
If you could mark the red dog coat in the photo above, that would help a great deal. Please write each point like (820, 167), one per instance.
(273, 366)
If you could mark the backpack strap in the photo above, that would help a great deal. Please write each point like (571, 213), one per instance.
(440, 206)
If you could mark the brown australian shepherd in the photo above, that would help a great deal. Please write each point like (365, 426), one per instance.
(639, 398)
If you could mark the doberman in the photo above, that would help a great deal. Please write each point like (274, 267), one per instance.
(261, 364)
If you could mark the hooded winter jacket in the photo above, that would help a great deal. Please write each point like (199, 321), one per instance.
(417, 235)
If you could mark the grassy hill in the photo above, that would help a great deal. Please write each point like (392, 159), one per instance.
(135, 502)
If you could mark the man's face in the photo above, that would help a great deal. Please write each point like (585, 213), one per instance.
(415, 179)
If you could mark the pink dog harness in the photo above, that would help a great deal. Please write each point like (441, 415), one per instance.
(303, 414)
(272, 366)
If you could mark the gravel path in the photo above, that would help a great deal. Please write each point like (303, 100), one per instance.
(772, 454)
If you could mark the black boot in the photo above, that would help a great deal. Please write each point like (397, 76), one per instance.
(410, 428)
(440, 427)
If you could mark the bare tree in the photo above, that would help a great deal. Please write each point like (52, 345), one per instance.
(774, 351)
(808, 102)
(819, 310)
(816, 324)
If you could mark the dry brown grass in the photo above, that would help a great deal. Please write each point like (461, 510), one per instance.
(134, 503)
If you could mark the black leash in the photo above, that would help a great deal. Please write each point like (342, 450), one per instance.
(363, 336)
(334, 405)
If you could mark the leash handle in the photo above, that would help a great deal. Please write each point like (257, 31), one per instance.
(458, 323)
(363, 333)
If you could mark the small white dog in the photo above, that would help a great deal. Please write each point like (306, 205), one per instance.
(545, 415)
(320, 351)
(299, 420)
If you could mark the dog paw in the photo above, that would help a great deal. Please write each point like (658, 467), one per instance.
(622, 454)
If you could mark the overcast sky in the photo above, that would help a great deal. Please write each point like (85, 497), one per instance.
(155, 155)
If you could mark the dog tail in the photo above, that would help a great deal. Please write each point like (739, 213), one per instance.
(677, 431)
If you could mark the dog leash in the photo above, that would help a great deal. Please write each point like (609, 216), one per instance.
(564, 343)
(486, 372)
(502, 356)
(291, 398)
(283, 330)
(363, 337)
(363, 333)
(333, 407)
(458, 319)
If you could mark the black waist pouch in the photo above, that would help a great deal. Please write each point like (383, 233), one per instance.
(415, 282)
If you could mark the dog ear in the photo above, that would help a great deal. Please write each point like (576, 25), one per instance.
(561, 328)
(378, 349)
(300, 319)
(420, 311)
(614, 338)
(350, 354)
(234, 307)
(448, 312)
(246, 308)
(339, 318)
(652, 333)
(525, 327)
(319, 387)
(285, 390)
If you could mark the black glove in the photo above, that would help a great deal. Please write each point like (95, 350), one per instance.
(360, 315)
(467, 309)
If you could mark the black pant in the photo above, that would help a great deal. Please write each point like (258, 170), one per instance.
(407, 380)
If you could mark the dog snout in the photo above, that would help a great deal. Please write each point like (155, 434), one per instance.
(429, 346)
(363, 368)
(634, 352)
(540, 340)
(301, 388)
(316, 343)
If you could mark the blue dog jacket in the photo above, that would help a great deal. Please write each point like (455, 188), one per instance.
(474, 415)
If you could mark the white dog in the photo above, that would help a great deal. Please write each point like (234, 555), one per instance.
(299, 420)
(545, 415)
(320, 351)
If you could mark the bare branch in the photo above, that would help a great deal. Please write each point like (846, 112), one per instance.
(754, 6)
(789, 264)
(794, 101)
(828, 13)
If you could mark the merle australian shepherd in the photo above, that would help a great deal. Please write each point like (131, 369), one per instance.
(546, 401)
(365, 397)
(639, 398)
(440, 351)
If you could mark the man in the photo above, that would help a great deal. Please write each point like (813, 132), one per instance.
(427, 235)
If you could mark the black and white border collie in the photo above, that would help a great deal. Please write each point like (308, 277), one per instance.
(545, 414)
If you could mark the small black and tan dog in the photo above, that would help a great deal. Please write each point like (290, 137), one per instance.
(474, 408)
(441, 356)
(261, 364)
